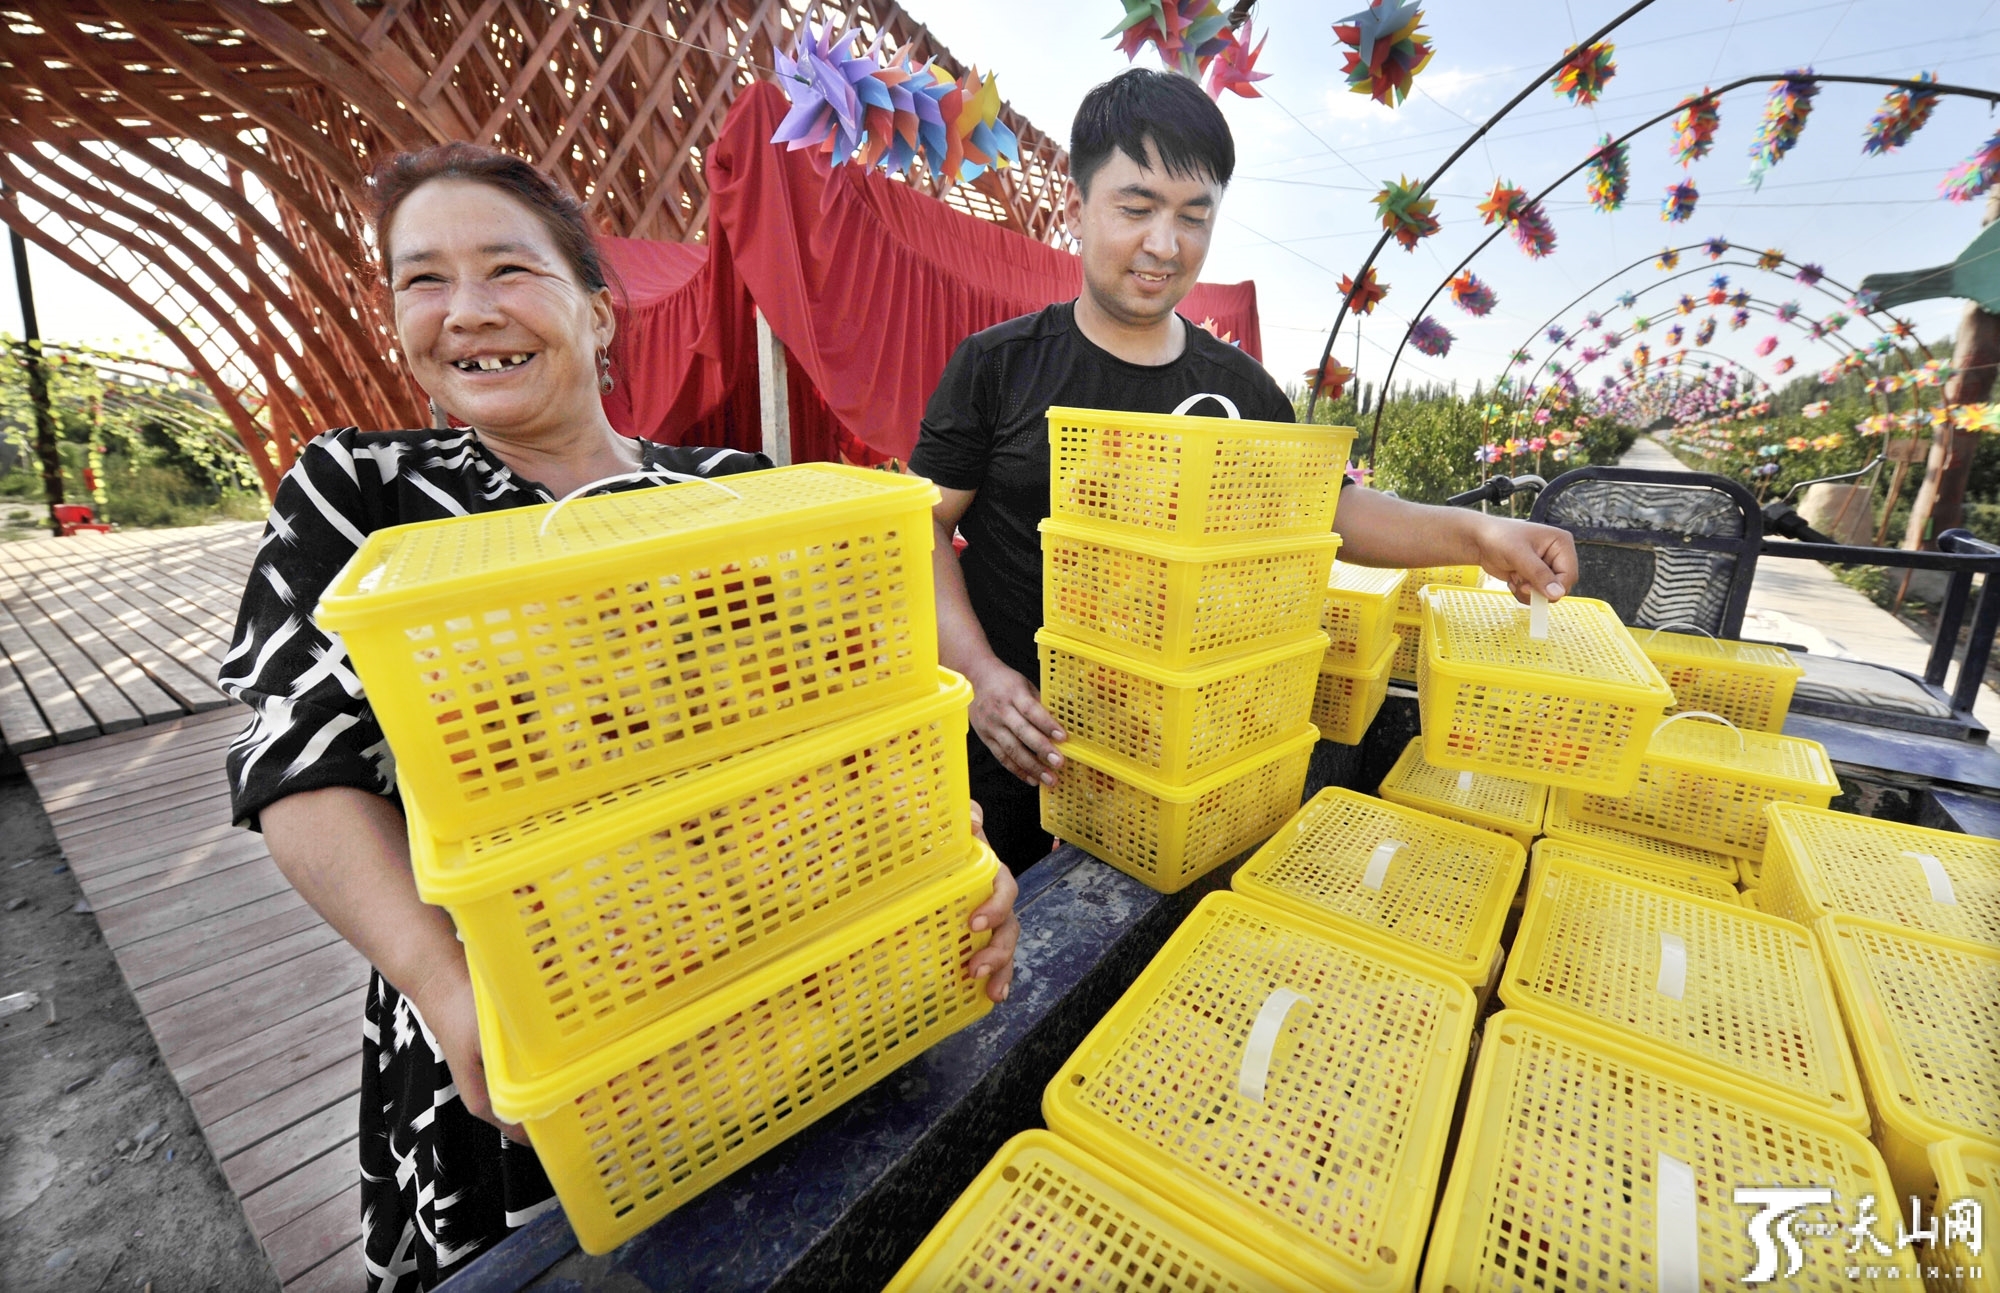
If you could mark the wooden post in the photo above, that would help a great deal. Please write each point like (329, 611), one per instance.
(773, 399)
(46, 448)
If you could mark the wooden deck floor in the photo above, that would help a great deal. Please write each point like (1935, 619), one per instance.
(101, 633)
(255, 1001)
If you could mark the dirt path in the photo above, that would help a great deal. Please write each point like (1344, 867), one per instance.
(105, 1181)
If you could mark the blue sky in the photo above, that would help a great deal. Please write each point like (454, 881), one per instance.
(1311, 155)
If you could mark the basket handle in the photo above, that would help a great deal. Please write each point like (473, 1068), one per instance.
(1935, 876)
(1658, 629)
(1180, 409)
(1741, 744)
(1256, 1065)
(649, 473)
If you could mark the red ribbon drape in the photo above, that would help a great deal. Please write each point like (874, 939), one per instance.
(869, 284)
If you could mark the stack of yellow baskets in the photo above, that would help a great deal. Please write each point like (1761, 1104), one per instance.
(1184, 564)
(682, 766)
(1361, 647)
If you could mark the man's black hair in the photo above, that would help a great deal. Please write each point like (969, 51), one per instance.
(1188, 131)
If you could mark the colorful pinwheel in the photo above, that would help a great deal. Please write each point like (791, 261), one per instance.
(1666, 260)
(1809, 274)
(1331, 379)
(1626, 299)
(1556, 334)
(1234, 70)
(1472, 295)
(1687, 304)
(1678, 205)
(1385, 49)
(1786, 312)
(1903, 113)
(1716, 248)
(1739, 319)
(826, 111)
(1975, 174)
(1705, 333)
(984, 139)
(1362, 298)
(1430, 337)
(1783, 365)
(1694, 128)
(1584, 73)
(1785, 113)
(1593, 320)
(1674, 335)
(1771, 259)
(1187, 33)
(1609, 176)
(1406, 212)
(1864, 300)
(1765, 347)
(1511, 207)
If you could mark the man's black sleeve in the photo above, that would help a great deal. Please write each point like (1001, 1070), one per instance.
(955, 443)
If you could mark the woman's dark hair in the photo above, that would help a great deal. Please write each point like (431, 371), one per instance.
(1187, 129)
(561, 214)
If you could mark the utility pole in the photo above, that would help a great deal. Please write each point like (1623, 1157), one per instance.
(38, 379)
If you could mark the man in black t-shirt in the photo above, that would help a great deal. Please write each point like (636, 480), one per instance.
(1150, 156)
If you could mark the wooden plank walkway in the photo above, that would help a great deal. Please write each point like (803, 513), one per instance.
(102, 633)
(255, 1001)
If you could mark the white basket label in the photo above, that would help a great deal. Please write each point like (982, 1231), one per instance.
(1673, 966)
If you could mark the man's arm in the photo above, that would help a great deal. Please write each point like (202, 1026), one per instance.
(1006, 712)
(1377, 530)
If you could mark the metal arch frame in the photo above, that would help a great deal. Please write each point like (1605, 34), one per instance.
(1990, 96)
(267, 296)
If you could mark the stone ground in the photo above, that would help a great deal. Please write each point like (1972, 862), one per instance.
(105, 1182)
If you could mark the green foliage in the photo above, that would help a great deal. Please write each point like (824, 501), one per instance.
(166, 454)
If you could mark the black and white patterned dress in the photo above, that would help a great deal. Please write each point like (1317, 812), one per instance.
(438, 1186)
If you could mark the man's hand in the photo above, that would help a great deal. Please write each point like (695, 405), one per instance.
(1009, 717)
(1531, 558)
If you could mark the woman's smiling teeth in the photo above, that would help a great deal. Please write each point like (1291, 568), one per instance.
(490, 363)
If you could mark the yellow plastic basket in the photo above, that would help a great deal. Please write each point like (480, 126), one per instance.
(1574, 709)
(1177, 724)
(1046, 1215)
(1409, 603)
(1176, 605)
(1437, 889)
(1587, 1166)
(515, 670)
(1936, 882)
(1195, 479)
(1925, 1016)
(1505, 804)
(1358, 612)
(1699, 881)
(1287, 1086)
(1409, 645)
(1966, 1169)
(1345, 700)
(1748, 683)
(1559, 824)
(1705, 784)
(1168, 836)
(1697, 981)
(592, 920)
(651, 1120)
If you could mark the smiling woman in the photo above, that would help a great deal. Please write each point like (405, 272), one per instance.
(505, 319)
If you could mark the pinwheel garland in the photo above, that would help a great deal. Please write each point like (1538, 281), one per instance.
(1765, 347)
(1975, 174)
(1739, 297)
(985, 140)
(1786, 312)
(1511, 207)
(1611, 340)
(826, 111)
(1364, 296)
(1187, 33)
(1809, 274)
(1430, 337)
(1882, 345)
(1716, 248)
(1903, 113)
(1784, 365)
(1330, 379)
(1674, 335)
(1678, 205)
(1625, 299)
(1739, 319)
(1771, 259)
(1687, 304)
(1717, 296)
(1234, 70)
(1666, 260)
(1785, 113)
(1705, 333)
(1584, 73)
(1406, 212)
(1385, 49)
(1472, 295)
(1610, 175)
(1556, 334)
(1864, 301)
(1593, 320)
(1694, 128)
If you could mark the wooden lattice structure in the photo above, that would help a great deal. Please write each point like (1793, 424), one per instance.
(205, 160)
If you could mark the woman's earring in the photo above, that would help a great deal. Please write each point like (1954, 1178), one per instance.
(604, 379)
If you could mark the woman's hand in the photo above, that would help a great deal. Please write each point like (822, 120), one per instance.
(995, 962)
(1532, 558)
(445, 1002)
(1009, 717)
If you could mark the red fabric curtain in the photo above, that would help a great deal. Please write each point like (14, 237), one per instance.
(869, 284)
